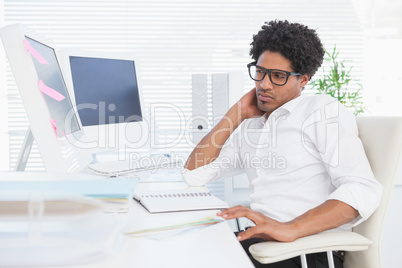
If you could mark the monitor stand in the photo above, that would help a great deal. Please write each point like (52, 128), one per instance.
(22, 159)
(25, 151)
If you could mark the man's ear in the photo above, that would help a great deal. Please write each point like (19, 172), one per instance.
(304, 80)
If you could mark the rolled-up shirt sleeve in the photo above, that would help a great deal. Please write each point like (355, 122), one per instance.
(348, 167)
(200, 176)
(360, 193)
(226, 165)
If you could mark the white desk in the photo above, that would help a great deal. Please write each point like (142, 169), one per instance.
(212, 246)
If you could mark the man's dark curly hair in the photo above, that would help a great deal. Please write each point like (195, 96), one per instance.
(294, 41)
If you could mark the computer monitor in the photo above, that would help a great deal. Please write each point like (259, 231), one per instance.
(51, 78)
(53, 122)
(107, 93)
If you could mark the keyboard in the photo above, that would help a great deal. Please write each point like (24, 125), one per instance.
(115, 168)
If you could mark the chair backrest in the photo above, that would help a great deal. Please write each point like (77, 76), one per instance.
(382, 141)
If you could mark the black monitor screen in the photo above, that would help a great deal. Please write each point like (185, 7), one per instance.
(54, 89)
(106, 90)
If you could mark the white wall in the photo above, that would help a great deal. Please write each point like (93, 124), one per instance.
(383, 76)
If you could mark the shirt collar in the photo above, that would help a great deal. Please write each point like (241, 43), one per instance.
(291, 105)
(286, 108)
(263, 118)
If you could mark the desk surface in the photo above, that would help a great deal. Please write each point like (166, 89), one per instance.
(212, 246)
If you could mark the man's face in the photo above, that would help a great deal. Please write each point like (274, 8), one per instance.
(270, 96)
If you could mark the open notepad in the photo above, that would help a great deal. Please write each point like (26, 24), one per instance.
(179, 200)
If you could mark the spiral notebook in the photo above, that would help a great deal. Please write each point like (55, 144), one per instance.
(179, 200)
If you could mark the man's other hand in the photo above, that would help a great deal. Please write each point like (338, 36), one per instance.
(266, 228)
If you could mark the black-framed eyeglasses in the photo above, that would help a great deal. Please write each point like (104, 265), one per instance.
(277, 77)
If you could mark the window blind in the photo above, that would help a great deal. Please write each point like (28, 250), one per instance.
(173, 40)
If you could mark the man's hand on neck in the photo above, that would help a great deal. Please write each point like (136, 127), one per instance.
(209, 147)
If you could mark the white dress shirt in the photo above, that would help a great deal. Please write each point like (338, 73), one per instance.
(306, 152)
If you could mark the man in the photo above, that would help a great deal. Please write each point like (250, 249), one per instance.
(306, 165)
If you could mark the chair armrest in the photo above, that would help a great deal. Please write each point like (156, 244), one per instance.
(272, 251)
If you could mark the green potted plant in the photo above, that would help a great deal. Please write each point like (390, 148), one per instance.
(335, 82)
